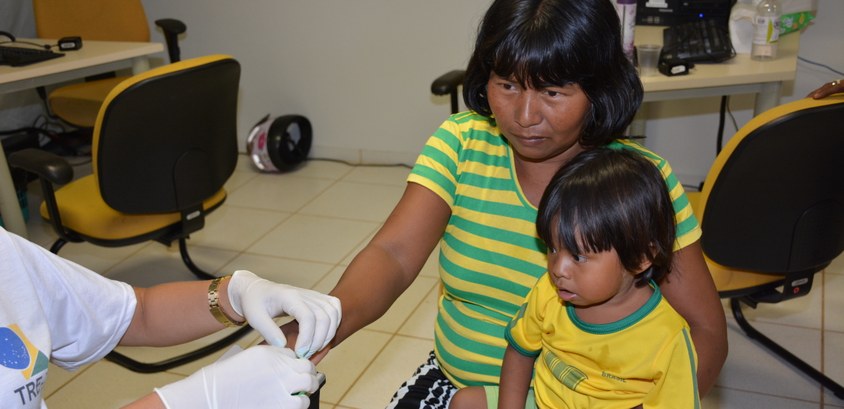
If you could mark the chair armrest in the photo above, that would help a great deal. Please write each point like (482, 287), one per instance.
(46, 165)
(448, 83)
(172, 28)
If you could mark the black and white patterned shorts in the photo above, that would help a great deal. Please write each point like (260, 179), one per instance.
(428, 388)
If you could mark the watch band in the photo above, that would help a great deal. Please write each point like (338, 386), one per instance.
(214, 305)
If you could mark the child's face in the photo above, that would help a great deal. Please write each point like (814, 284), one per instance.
(589, 279)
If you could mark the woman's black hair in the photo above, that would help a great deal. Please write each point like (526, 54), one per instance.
(611, 199)
(558, 42)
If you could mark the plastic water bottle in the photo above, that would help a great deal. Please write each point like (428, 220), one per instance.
(766, 30)
(627, 15)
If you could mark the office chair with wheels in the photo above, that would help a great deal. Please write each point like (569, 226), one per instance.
(164, 143)
(103, 20)
(772, 211)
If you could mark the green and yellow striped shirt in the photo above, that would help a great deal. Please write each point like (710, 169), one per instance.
(490, 255)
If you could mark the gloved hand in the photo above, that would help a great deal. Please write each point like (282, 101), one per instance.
(261, 300)
(262, 376)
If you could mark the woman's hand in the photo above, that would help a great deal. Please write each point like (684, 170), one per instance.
(827, 89)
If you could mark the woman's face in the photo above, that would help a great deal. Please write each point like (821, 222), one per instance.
(540, 123)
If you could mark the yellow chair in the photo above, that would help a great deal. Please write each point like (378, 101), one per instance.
(164, 144)
(101, 20)
(772, 211)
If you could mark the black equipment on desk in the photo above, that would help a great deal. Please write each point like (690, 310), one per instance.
(671, 12)
(704, 41)
(20, 56)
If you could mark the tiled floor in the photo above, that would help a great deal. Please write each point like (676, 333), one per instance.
(303, 227)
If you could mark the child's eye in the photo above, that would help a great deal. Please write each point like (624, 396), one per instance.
(579, 258)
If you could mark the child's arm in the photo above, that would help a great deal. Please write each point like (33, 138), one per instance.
(516, 372)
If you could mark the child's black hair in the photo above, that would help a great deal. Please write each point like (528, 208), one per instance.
(611, 199)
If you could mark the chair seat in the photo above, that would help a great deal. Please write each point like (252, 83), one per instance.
(83, 210)
(80, 103)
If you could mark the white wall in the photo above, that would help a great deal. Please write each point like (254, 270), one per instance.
(361, 71)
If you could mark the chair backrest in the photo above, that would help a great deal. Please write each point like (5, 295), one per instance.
(774, 198)
(105, 20)
(166, 139)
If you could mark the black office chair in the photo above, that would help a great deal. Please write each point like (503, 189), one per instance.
(449, 84)
(164, 143)
(772, 211)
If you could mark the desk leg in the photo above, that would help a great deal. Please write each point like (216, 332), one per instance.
(637, 125)
(139, 65)
(9, 205)
(768, 98)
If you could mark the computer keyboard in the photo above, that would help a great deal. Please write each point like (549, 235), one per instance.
(20, 56)
(705, 40)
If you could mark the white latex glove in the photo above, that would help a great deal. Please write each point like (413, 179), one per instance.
(262, 376)
(261, 300)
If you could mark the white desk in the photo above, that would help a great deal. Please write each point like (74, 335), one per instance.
(739, 75)
(95, 57)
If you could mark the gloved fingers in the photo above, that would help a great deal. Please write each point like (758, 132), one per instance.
(327, 318)
(261, 321)
(307, 319)
(297, 375)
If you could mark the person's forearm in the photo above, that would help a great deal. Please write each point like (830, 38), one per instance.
(151, 401)
(516, 373)
(690, 290)
(711, 347)
(174, 313)
(370, 285)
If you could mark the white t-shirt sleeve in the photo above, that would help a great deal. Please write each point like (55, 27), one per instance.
(87, 314)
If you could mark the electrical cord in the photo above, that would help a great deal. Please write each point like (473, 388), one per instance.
(382, 165)
(815, 63)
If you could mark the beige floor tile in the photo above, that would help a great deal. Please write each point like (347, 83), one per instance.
(321, 169)
(391, 367)
(750, 367)
(725, 398)
(277, 192)
(387, 175)
(106, 385)
(402, 309)
(355, 201)
(57, 377)
(157, 264)
(314, 238)
(149, 354)
(420, 324)
(298, 273)
(833, 290)
(98, 258)
(236, 228)
(833, 350)
(343, 365)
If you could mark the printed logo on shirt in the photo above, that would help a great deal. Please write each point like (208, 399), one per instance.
(17, 353)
